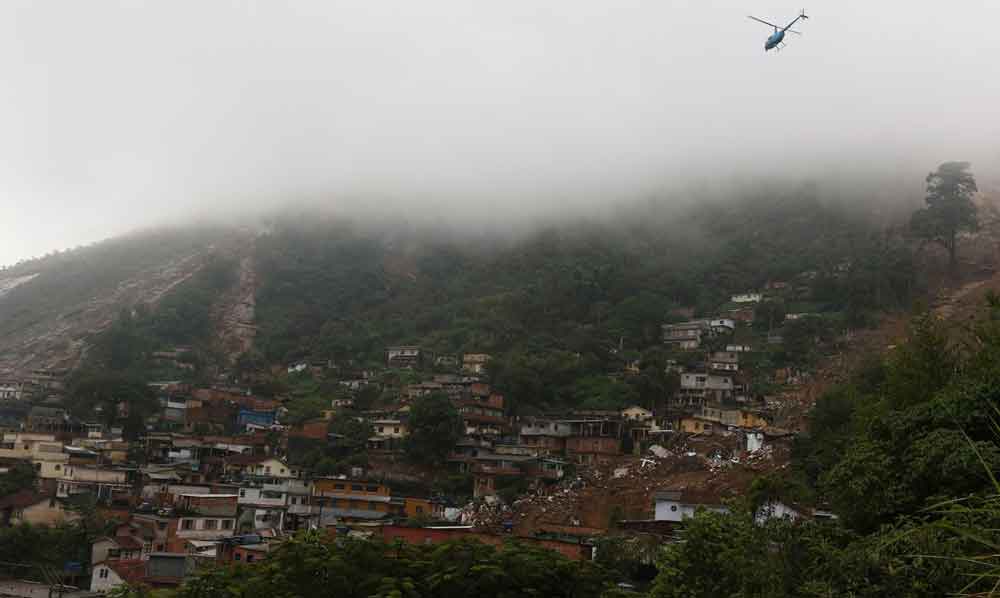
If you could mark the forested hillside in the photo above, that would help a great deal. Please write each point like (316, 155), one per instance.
(566, 297)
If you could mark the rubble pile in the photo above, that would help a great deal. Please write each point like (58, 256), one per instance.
(486, 514)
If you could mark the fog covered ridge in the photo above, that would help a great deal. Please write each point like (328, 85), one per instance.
(120, 115)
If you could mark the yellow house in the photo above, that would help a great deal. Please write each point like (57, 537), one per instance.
(696, 424)
(28, 506)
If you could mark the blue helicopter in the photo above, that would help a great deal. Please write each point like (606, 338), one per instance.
(774, 40)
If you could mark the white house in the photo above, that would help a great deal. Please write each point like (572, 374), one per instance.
(260, 466)
(755, 441)
(776, 509)
(108, 575)
(722, 325)
(10, 390)
(697, 387)
(747, 298)
(677, 505)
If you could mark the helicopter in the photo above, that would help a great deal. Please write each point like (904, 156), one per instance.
(774, 40)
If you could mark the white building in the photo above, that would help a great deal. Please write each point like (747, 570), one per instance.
(776, 509)
(747, 298)
(11, 391)
(677, 505)
(111, 574)
(696, 388)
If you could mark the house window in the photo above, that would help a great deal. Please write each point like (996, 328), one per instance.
(282, 471)
(395, 430)
(187, 524)
(381, 429)
(267, 469)
(211, 524)
(420, 510)
(372, 489)
(243, 493)
(338, 486)
(357, 487)
(58, 467)
(249, 558)
(673, 508)
(227, 524)
(160, 548)
(104, 573)
(372, 506)
(161, 525)
(114, 553)
(237, 557)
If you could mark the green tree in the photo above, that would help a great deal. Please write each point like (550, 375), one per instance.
(434, 426)
(19, 477)
(949, 207)
(121, 397)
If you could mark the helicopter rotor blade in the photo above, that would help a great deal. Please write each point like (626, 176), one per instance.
(763, 21)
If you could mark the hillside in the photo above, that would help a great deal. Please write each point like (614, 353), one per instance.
(50, 308)
(559, 304)
(331, 290)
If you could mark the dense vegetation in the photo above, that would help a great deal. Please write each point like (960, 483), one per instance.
(562, 307)
(906, 455)
(314, 565)
(182, 318)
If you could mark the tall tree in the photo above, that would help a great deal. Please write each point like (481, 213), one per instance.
(949, 207)
(435, 427)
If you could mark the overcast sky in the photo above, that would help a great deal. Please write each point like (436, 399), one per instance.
(121, 114)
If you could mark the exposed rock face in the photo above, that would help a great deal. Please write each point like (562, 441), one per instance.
(57, 341)
(234, 314)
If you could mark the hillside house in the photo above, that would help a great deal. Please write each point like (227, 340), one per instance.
(103, 483)
(403, 357)
(593, 440)
(390, 428)
(11, 390)
(698, 388)
(722, 325)
(636, 413)
(548, 436)
(412, 392)
(354, 500)
(29, 506)
(115, 548)
(475, 363)
(44, 452)
(747, 298)
(446, 362)
(696, 424)
(258, 467)
(686, 336)
(111, 574)
(482, 416)
(776, 509)
(205, 517)
(677, 505)
(724, 361)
